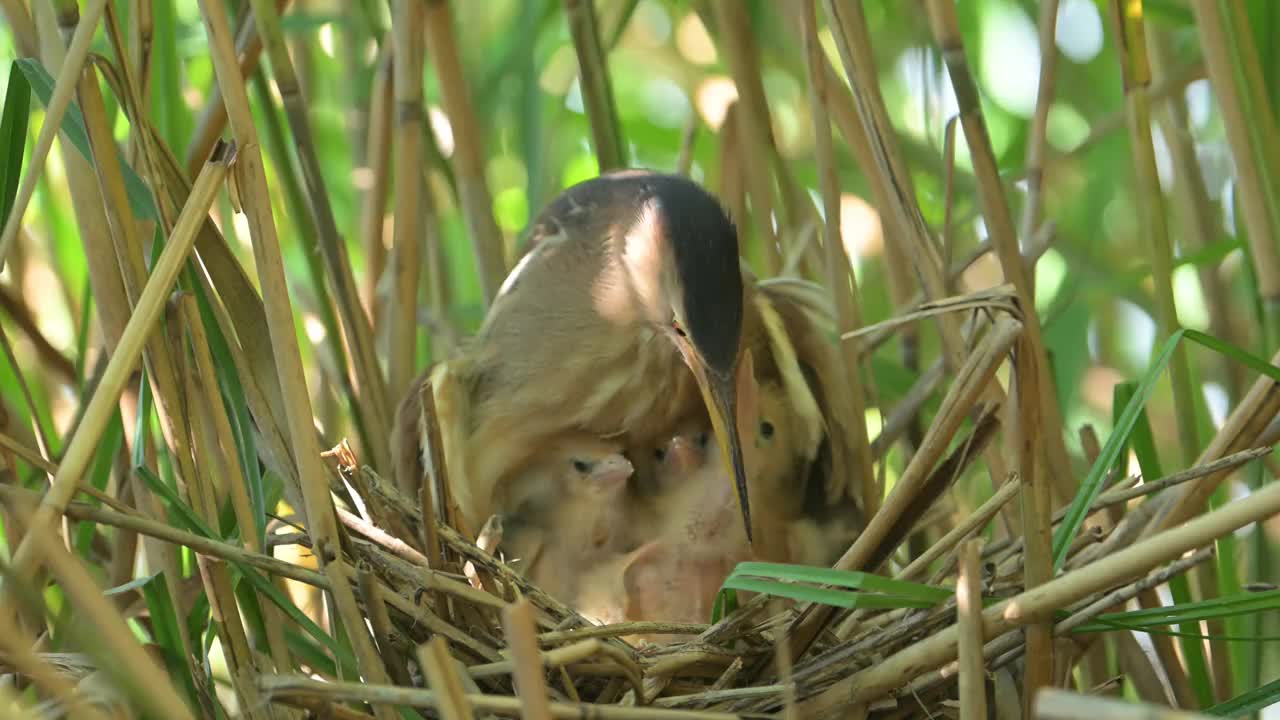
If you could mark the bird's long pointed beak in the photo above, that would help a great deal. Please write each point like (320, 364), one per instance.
(721, 398)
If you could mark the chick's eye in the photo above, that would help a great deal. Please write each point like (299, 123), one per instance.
(766, 429)
(678, 330)
(703, 439)
(581, 466)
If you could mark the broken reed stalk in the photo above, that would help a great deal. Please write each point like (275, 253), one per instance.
(251, 180)
(80, 451)
(443, 677)
(63, 90)
(378, 159)
(842, 284)
(973, 684)
(597, 89)
(406, 265)
(468, 149)
(517, 620)
(1028, 606)
(371, 403)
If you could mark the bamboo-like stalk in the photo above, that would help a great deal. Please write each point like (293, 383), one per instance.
(973, 684)
(22, 25)
(1108, 571)
(80, 450)
(597, 91)
(402, 309)
(999, 222)
(468, 150)
(63, 89)
(755, 128)
(371, 402)
(1037, 141)
(840, 279)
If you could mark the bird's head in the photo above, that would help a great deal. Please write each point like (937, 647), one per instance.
(681, 253)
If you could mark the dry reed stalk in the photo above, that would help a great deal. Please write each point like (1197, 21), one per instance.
(374, 207)
(840, 279)
(23, 27)
(973, 685)
(63, 89)
(444, 678)
(402, 306)
(971, 381)
(1062, 591)
(286, 687)
(597, 91)
(251, 180)
(468, 149)
(754, 127)
(1004, 238)
(242, 665)
(116, 650)
(954, 537)
(517, 620)
(79, 452)
(1054, 704)
(372, 405)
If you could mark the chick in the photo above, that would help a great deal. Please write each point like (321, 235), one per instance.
(570, 507)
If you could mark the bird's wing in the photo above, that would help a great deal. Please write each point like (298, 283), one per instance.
(805, 312)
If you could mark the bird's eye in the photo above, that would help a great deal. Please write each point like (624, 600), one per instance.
(703, 439)
(581, 466)
(678, 330)
(660, 454)
(766, 429)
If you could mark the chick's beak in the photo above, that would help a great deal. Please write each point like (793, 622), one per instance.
(719, 393)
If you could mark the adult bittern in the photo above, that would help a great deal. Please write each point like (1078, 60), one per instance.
(625, 316)
(628, 315)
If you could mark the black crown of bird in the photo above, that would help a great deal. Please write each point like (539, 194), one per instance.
(629, 313)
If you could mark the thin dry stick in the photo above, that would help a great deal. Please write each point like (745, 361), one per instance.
(402, 310)
(63, 90)
(1116, 568)
(973, 684)
(1036, 508)
(999, 222)
(597, 90)
(84, 444)
(977, 519)
(517, 620)
(840, 278)
(443, 677)
(468, 150)
(383, 631)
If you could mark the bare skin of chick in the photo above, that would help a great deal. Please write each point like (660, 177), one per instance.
(570, 503)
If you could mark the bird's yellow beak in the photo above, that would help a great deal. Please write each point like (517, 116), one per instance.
(720, 396)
